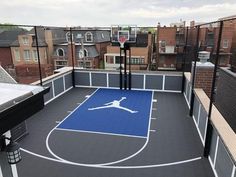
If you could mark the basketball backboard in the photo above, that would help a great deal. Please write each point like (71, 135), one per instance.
(127, 31)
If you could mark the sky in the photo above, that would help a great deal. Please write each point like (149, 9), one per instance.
(111, 12)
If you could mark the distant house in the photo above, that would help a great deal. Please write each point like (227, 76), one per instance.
(208, 36)
(6, 39)
(140, 53)
(25, 57)
(170, 44)
(89, 46)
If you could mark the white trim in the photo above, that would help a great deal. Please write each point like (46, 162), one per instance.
(109, 163)
(116, 72)
(186, 100)
(86, 38)
(154, 109)
(154, 118)
(55, 78)
(101, 133)
(163, 82)
(144, 81)
(107, 80)
(64, 82)
(113, 167)
(1, 172)
(212, 167)
(216, 150)
(233, 171)
(190, 93)
(90, 79)
(153, 131)
(199, 133)
(199, 113)
(205, 132)
(53, 89)
(163, 91)
(58, 96)
(57, 51)
(14, 170)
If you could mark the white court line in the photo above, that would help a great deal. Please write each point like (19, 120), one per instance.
(109, 163)
(102, 133)
(87, 96)
(113, 167)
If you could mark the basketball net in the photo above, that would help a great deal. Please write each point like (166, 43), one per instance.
(122, 41)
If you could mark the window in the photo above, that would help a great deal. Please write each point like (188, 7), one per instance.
(45, 54)
(68, 37)
(117, 60)
(88, 37)
(17, 55)
(83, 54)
(25, 40)
(60, 52)
(163, 43)
(35, 55)
(27, 55)
(142, 60)
(225, 43)
(110, 59)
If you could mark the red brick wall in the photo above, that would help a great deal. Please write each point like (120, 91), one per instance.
(27, 74)
(168, 34)
(5, 57)
(204, 78)
(70, 55)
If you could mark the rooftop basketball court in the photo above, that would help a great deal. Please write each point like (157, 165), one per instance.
(109, 132)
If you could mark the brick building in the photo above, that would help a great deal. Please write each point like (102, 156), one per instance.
(6, 39)
(208, 38)
(140, 53)
(89, 47)
(170, 45)
(232, 24)
(25, 57)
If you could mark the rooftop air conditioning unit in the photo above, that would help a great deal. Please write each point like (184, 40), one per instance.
(203, 56)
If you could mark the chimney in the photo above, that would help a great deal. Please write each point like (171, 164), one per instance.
(204, 72)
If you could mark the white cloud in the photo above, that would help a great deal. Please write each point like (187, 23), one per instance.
(107, 12)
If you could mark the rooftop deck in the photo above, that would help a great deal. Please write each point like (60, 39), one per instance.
(172, 149)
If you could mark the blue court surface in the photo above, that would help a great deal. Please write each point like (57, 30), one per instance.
(121, 112)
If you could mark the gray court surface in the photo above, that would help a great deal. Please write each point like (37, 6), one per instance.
(173, 148)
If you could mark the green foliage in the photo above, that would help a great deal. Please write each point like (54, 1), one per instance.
(8, 26)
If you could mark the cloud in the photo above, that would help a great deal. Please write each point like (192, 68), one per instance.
(107, 12)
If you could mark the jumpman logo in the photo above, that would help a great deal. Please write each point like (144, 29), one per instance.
(114, 104)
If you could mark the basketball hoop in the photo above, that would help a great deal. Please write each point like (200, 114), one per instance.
(122, 40)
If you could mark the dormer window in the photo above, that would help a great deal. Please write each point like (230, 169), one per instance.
(88, 37)
(60, 52)
(83, 54)
(25, 40)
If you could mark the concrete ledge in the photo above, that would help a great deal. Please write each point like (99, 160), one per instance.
(225, 131)
(60, 72)
(187, 76)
